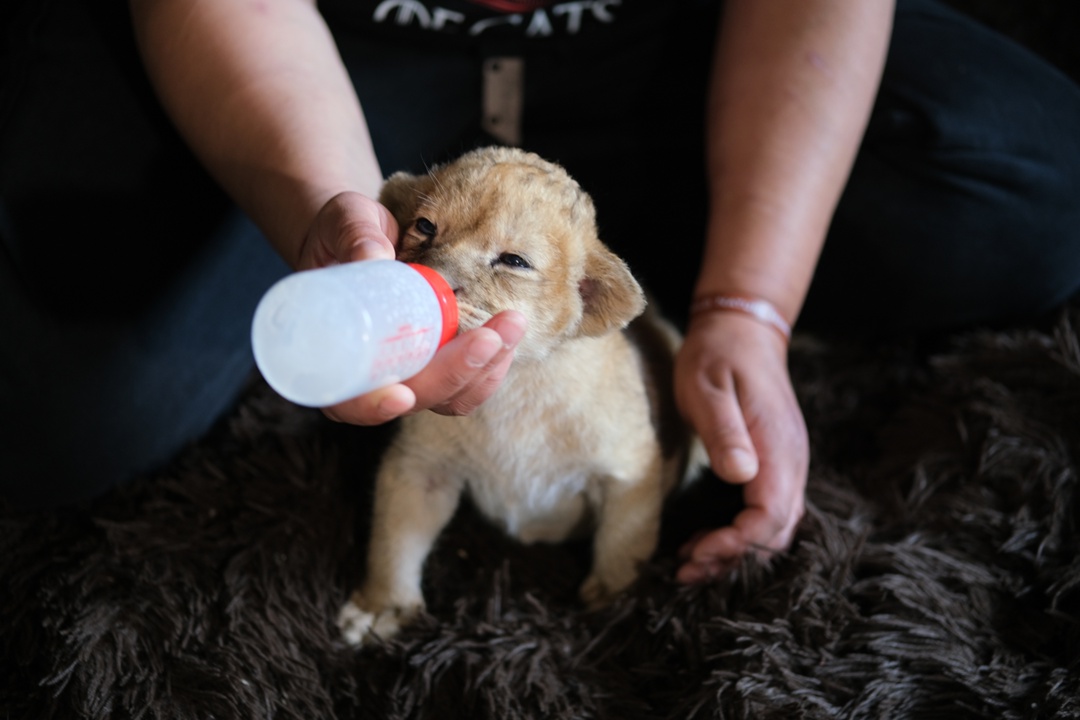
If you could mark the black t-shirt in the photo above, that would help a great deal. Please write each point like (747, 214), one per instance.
(521, 25)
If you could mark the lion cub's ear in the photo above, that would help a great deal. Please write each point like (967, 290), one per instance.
(610, 294)
(401, 194)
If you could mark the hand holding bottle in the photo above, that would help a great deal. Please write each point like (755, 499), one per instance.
(327, 335)
(463, 373)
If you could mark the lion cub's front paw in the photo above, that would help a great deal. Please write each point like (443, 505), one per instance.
(359, 623)
(595, 593)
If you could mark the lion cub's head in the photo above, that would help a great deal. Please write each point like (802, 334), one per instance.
(509, 230)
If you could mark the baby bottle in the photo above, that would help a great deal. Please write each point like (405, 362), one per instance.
(326, 335)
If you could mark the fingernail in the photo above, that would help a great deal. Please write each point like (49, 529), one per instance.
(387, 408)
(686, 576)
(392, 405)
(514, 330)
(693, 572)
(482, 350)
(742, 463)
(372, 250)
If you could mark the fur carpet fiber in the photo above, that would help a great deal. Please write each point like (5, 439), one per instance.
(936, 573)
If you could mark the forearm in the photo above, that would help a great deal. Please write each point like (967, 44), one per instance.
(792, 88)
(260, 93)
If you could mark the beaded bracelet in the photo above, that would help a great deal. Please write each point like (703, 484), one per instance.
(756, 308)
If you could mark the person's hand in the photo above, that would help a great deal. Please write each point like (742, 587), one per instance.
(732, 385)
(461, 376)
(349, 227)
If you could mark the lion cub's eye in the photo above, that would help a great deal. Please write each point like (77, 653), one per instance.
(512, 260)
(426, 228)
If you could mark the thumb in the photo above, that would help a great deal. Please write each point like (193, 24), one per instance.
(374, 241)
(727, 439)
(352, 226)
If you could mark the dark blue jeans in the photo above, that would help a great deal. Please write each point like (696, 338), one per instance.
(127, 282)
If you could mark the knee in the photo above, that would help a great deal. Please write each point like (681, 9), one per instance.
(967, 105)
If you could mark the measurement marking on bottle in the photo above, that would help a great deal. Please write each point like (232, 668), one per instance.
(404, 351)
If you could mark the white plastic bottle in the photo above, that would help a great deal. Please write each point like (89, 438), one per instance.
(327, 335)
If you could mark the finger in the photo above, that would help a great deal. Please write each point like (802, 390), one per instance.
(354, 227)
(483, 387)
(724, 544)
(771, 516)
(511, 328)
(774, 505)
(762, 531)
(691, 573)
(756, 529)
(441, 383)
(686, 550)
(712, 555)
(486, 352)
(456, 366)
(374, 243)
(717, 553)
(372, 249)
(471, 367)
(727, 439)
(374, 408)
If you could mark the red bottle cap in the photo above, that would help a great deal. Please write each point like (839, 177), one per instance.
(447, 301)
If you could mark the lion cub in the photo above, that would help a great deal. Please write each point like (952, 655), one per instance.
(572, 437)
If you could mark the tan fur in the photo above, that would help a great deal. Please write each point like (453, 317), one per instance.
(570, 439)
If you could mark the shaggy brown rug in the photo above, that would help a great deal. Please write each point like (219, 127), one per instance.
(936, 573)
